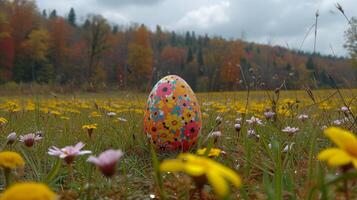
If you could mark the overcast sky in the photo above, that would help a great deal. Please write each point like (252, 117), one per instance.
(278, 22)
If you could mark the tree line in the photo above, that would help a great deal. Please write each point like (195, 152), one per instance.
(47, 48)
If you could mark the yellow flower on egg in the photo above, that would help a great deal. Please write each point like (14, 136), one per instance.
(346, 151)
(174, 122)
(28, 191)
(11, 160)
(216, 174)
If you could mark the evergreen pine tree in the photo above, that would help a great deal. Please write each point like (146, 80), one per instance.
(72, 17)
(189, 55)
(188, 39)
(44, 13)
(200, 57)
(53, 14)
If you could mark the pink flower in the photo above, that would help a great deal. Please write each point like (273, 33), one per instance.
(29, 139)
(163, 90)
(69, 152)
(107, 161)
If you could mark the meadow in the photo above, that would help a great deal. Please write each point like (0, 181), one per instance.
(273, 161)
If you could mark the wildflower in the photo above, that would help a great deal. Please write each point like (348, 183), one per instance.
(11, 160)
(111, 114)
(344, 109)
(29, 139)
(11, 138)
(238, 120)
(254, 121)
(3, 121)
(215, 134)
(237, 127)
(323, 127)
(204, 170)
(205, 115)
(214, 152)
(107, 161)
(95, 114)
(251, 133)
(55, 113)
(122, 119)
(338, 122)
(28, 191)
(346, 151)
(269, 114)
(289, 129)
(288, 147)
(303, 117)
(219, 120)
(68, 153)
(89, 128)
(39, 133)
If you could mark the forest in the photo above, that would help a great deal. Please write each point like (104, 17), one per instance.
(43, 47)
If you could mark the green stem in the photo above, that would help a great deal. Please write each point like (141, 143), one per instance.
(7, 174)
(347, 197)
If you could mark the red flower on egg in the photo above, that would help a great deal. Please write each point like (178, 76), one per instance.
(164, 90)
(191, 130)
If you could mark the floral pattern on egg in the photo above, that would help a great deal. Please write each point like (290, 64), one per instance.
(172, 118)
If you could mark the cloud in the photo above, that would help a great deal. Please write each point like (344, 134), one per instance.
(116, 17)
(282, 21)
(205, 16)
(121, 3)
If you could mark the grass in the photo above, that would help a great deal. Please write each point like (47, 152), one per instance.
(268, 173)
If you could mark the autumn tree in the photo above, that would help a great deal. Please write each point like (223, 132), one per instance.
(230, 69)
(6, 50)
(36, 56)
(61, 34)
(97, 32)
(140, 59)
(172, 60)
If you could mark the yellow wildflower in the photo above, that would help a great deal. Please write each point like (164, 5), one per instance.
(212, 153)
(324, 106)
(95, 114)
(11, 160)
(55, 113)
(242, 111)
(200, 167)
(3, 121)
(28, 191)
(346, 151)
(89, 126)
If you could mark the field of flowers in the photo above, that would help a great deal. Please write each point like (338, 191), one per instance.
(257, 145)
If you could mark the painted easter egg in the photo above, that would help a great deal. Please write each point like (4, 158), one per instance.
(172, 118)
